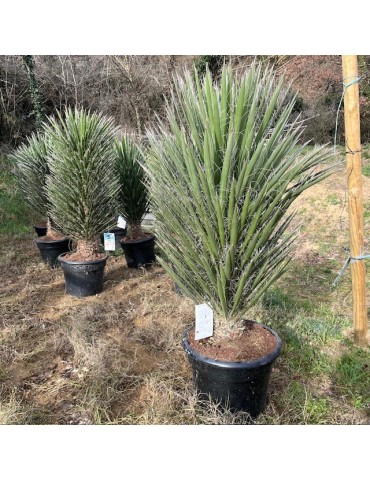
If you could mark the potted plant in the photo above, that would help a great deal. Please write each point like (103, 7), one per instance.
(31, 170)
(223, 175)
(138, 245)
(82, 188)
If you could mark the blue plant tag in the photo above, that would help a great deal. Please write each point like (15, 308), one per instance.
(109, 241)
(203, 321)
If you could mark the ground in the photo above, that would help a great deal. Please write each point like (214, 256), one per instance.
(116, 358)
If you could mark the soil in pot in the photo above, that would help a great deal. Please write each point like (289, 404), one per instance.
(235, 373)
(50, 249)
(82, 277)
(139, 252)
(252, 343)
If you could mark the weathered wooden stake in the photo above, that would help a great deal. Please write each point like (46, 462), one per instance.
(354, 182)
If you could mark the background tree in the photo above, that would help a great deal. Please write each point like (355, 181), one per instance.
(132, 88)
(34, 89)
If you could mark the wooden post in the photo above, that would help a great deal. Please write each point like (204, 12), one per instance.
(354, 182)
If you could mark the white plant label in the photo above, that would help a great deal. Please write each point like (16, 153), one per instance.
(121, 222)
(109, 241)
(203, 321)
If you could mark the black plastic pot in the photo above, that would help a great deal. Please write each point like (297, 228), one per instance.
(40, 230)
(83, 279)
(119, 233)
(51, 249)
(139, 253)
(239, 386)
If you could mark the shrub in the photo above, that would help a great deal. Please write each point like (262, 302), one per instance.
(31, 169)
(222, 179)
(82, 185)
(133, 194)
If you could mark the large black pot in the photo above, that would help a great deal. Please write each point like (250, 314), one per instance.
(83, 279)
(239, 386)
(139, 253)
(51, 249)
(40, 230)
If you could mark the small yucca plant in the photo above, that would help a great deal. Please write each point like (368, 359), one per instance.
(31, 170)
(222, 178)
(133, 195)
(82, 185)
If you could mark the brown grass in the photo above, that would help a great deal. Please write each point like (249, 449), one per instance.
(116, 358)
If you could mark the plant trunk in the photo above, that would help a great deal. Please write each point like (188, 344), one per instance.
(88, 249)
(51, 231)
(224, 327)
(136, 232)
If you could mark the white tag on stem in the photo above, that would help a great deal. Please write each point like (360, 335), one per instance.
(203, 321)
(109, 241)
(121, 222)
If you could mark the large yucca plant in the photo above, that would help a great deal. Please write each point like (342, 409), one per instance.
(222, 178)
(133, 195)
(82, 185)
(31, 170)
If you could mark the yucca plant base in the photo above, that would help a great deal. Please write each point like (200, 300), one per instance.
(83, 278)
(239, 385)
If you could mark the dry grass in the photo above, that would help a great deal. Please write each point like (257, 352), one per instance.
(116, 358)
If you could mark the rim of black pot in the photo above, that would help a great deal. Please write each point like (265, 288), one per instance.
(127, 239)
(82, 262)
(40, 240)
(242, 364)
(117, 230)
